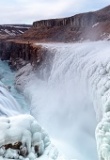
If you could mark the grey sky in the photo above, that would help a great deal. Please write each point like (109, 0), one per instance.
(27, 11)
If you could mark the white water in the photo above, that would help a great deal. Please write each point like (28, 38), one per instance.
(16, 125)
(69, 94)
(65, 95)
(10, 105)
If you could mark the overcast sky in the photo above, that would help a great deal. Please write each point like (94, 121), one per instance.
(27, 11)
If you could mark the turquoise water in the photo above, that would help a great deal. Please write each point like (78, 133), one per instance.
(7, 76)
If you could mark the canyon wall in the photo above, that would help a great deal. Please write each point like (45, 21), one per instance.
(80, 27)
(19, 54)
(76, 21)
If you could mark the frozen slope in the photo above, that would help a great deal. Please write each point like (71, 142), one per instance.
(21, 137)
(69, 95)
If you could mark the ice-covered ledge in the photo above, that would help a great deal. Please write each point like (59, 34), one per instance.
(103, 137)
(21, 137)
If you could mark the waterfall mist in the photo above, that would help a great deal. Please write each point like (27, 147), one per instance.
(68, 94)
(64, 103)
(69, 117)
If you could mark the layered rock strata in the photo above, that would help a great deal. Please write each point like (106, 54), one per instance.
(85, 26)
(19, 54)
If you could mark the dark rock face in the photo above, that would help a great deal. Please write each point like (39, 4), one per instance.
(80, 20)
(13, 146)
(91, 25)
(19, 54)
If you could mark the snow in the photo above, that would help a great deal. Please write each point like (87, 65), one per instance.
(20, 31)
(96, 24)
(25, 129)
(21, 27)
(9, 32)
(85, 66)
(22, 129)
(74, 83)
(46, 97)
(13, 30)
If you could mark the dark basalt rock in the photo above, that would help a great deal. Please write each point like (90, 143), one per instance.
(19, 54)
(16, 145)
(7, 146)
(36, 148)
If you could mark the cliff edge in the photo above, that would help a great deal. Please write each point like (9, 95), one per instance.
(85, 26)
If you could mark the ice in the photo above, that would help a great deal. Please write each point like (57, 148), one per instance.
(20, 31)
(96, 24)
(21, 136)
(7, 101)
(32, 142)
(77, 82)
(63, 95)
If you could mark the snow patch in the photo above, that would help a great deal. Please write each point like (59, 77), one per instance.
(20, 31)
(96, 24)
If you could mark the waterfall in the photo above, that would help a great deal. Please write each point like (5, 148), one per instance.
(68, 92)
(21, 137)
(69, 96)
(8, 105)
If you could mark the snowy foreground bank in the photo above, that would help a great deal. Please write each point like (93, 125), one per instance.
(21, 137)
(74, 80)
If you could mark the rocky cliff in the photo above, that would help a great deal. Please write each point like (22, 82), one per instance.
(20, 50)
(91, 25)
(19, 54)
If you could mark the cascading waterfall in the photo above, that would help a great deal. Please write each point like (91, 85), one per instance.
(66, 90)
(69, 95)
(8, 105)
(21, 137)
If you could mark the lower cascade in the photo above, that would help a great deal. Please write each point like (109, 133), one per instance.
(68, 94)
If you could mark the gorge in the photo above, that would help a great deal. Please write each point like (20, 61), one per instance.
(66, 86)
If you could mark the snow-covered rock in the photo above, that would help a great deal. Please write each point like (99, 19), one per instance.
(34, 141)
